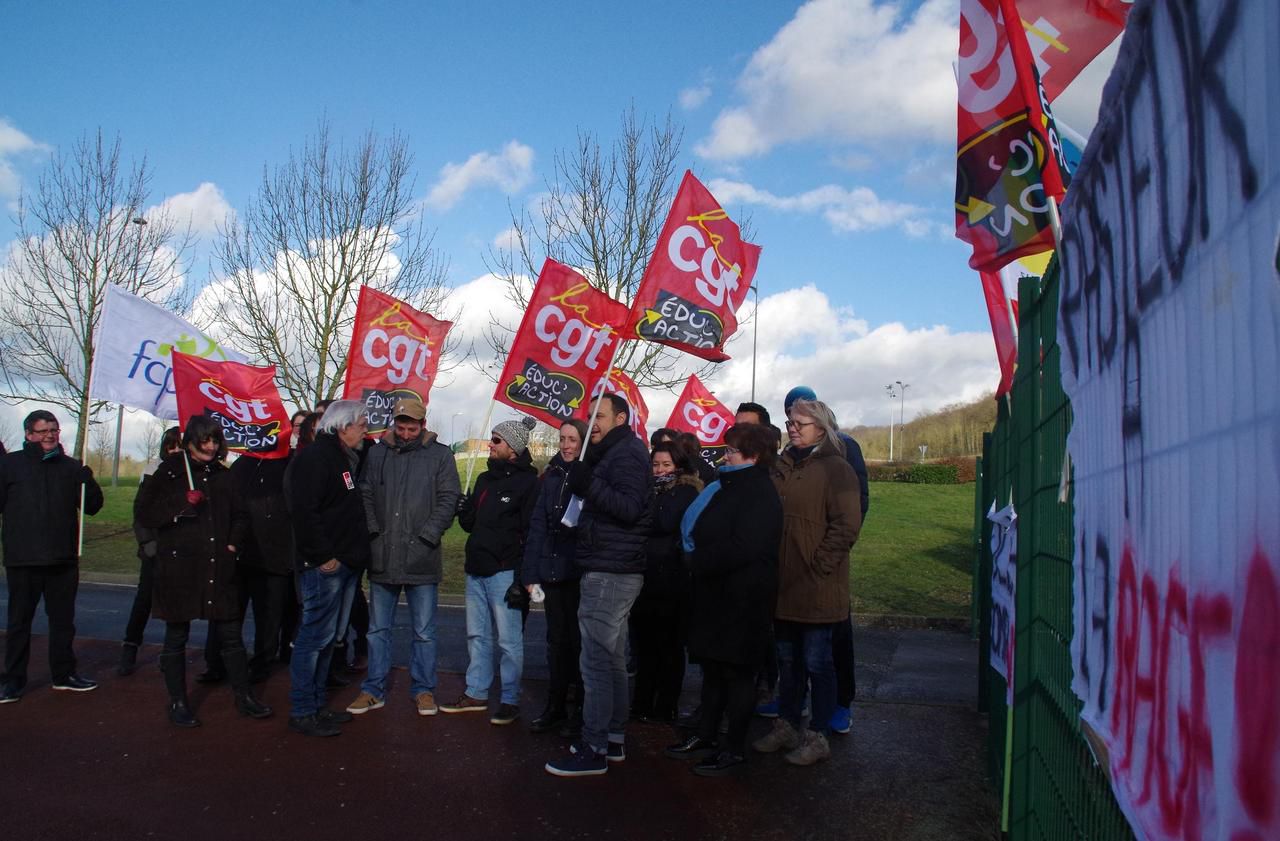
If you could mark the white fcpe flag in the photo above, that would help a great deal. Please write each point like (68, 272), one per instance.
(136, 340)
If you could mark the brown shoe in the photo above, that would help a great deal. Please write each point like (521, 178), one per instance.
(465, 704)
(813, 748)
(782, 736)
(426, 703)
(365, 702)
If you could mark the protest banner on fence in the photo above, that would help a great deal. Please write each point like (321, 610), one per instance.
(242, 398)
(565, 342)
(698, 411)
(1004, 588)
(132, 359)
(395, 353)
(1009, 162)
(698, 277)
(1169, 328)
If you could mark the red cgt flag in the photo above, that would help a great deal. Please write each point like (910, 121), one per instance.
(242, 398)
(698, 277)
(395, 352)
(1009, 164)
(1065, 35)
(566, 341)
(698, 411)
(620, 383)
(1003, 329)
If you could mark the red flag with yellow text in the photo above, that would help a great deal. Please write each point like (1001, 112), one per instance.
(697, 278)
(621, 384)
(1009, 162)
(395, 353)
(242, 399)
(698, 411)
(565, 342)
(1065, 35)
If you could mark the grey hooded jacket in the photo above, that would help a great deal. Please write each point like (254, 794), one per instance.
(410, 496)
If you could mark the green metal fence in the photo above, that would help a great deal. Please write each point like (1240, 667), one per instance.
(1053, 788)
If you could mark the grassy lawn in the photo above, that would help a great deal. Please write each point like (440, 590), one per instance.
(913, 558)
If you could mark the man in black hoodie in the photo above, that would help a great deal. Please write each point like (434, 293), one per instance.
(613, 480)
(496, 514)
(40, 490)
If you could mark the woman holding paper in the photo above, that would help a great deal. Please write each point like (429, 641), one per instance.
(189, 502)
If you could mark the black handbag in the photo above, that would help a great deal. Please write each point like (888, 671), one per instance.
(517, 597)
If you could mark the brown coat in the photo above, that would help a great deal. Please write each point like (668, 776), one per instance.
(195, 572)
(822, 515)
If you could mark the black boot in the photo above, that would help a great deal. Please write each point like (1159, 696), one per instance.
(572, 727)
(174, 668)
(550, 718)
(237, 663)
(128, 659)
(337, 667)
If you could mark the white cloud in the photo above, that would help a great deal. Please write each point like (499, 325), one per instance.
(506, 240)
(511, 169)
(14, 143)
(205, 208)
(846, 70)
(846, 210)
(692, 98)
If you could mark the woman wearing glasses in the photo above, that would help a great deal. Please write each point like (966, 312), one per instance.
(822, 516)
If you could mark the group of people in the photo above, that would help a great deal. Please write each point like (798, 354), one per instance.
(742, 570)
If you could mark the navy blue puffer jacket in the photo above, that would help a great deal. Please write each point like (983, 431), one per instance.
(614, 525)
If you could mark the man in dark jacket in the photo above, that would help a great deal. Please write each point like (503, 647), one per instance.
(613, 480)
(331, 550)
(496, 514)
(40, 490)
(410, 490)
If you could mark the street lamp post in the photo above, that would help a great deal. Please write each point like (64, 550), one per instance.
(137, 258)
(755, 337)
(453, 435)
(897, 390)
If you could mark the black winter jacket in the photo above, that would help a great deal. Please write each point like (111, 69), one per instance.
(195, 571)
(39, 498)
(496, 515)
(666, 574)
(734, 566)
(549, 547)
(615, 519)
(259, 486)
(324, 501)
(410, 495)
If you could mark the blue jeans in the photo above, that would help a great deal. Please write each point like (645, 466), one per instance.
(422, 600)
(804, 660)
(605, 604)
(325, 598)
(487, 609)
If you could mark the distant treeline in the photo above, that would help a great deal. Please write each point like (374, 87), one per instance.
(954, 430)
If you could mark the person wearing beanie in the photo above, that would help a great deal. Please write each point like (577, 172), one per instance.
(496, 515)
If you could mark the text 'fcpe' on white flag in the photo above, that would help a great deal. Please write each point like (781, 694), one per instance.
(132, 363)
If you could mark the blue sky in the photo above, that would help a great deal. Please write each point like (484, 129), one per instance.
(832, 122)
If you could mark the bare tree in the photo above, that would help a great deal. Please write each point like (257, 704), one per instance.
(75, 236)
(149, 443)
(602, 213)
(323, 224)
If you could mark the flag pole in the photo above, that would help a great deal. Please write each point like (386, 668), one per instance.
(582, 454)
(84, 444)
(471, 462)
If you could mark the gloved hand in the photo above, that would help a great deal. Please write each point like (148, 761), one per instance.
(195, 498)
(579, 479)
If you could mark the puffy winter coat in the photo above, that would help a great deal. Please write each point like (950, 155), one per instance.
(259, 485)
(549, 547)
(410, 494)
(195, 570)
(822, 515)
(39, 498)
(734, 570)
(614, 524)
(325, 505)
(496, 514)
(665, 573)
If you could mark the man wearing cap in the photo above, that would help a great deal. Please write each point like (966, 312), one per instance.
(410, 490)
(496, 515)
(842, 632)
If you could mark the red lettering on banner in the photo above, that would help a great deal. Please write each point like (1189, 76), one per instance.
(1257, 691)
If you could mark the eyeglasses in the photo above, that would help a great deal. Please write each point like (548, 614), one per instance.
(49, 432)
(794, 425)
(495, 440)
(732, 451)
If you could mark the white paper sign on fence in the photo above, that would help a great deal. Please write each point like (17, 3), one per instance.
(1169, 325)
(1004, 585)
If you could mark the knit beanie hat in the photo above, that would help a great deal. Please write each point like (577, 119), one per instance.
(800, 392)
(516, 433)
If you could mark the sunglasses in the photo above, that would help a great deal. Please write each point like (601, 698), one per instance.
(495, 440)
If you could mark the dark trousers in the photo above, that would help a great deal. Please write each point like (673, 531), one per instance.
(564, 641)
(27, 585)
(727, 689)
(268, 594)
(230, 646)
(658, 637)
(141, 610)
(842, 657)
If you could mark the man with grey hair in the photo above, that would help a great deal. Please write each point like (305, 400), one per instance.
(331, 551)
